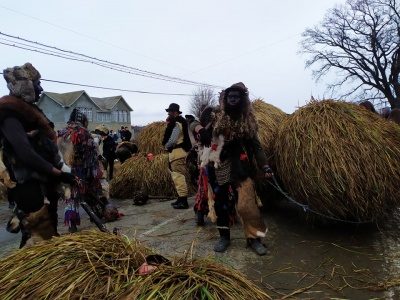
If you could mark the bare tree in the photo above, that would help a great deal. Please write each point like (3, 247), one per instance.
(360, 41)
(202, 97)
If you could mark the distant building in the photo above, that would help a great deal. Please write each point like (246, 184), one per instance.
(114, 112)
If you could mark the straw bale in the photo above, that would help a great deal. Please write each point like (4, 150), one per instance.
(341, 160)
(152, 177)
(85, 265)
(150, 138)
(97, 265)
(269, 119)
(189, 278)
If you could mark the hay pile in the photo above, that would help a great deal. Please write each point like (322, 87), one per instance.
(96, 265)
(269, 118)
(341, 160)
(150, 138)
(152, 177)
(138, 173)
(194, 279)
(85, 265)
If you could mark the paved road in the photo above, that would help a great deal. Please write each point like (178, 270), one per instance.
(298, 257)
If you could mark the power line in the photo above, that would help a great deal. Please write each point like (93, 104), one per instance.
(112, 89)
(87, 36)
(70, 55)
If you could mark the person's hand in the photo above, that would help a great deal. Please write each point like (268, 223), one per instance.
(268, 173)
(205, 137)
(67, 178)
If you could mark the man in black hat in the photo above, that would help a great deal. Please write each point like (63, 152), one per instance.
(177, 141)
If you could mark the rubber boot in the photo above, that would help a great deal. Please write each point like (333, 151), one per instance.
(257, 247)
(182, 203)
(224, 241)
(199, 218)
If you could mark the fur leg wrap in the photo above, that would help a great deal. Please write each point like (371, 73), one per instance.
(248, 211)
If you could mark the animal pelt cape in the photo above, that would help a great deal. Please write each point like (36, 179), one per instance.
(187, 145)
(28, 114)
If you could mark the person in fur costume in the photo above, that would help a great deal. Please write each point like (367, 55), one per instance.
(177, 142)
(126, 150)
(80, 152)
(30, 152)
(234, 144)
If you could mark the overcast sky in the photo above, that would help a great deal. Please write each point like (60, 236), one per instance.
(218, 42)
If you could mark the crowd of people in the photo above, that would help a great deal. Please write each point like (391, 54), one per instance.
(43, 165)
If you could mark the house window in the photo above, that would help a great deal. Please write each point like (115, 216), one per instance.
(87, 112)
(103, 117)
(121, 116)
(125, 116)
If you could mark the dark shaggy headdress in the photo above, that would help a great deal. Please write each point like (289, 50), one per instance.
(78, 117)
(245, 126)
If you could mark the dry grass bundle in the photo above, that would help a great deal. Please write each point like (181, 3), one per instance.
(269, 118)
(194, 279)
(152, 177)
(150, 138)
(340, 159)
(96, 265)
(85, 265)
(138, 173)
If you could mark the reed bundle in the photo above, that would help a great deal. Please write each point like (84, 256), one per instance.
(150, 138)
(97, 265)
(341, 160)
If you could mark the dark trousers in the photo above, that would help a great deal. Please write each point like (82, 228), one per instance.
(29, 197)
(10, 196)
(224, 205)
(110, 168)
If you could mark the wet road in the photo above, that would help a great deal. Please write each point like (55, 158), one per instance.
(304, 262)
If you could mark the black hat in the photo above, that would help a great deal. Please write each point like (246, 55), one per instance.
(173, 106)
(191, 117)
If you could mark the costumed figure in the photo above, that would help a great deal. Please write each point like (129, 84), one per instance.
(206, 181)
(234, 144)
(81, 154)
(30, 155)
(126, 150)
(177, 141)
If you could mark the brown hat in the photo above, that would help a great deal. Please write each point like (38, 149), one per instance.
(237, 87)
(173, 106)
(102, 130)
(20, 81)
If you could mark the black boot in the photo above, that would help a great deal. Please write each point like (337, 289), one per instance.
(26, 235)
(199, 218)
(72, 228)
(256, 245)
(182, 203)
(224, 241)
